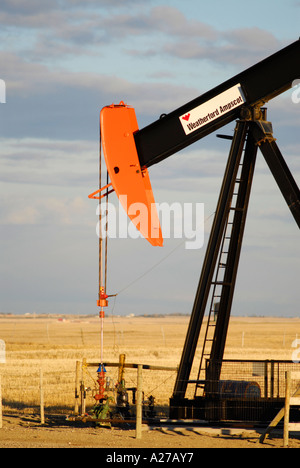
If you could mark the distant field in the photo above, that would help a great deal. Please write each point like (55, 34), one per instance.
(54, 345)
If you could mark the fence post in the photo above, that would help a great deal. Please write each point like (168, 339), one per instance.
(82, 398)
(42, 398)
(77, 377)
(0, 404)
(287, 409)
(138, 430)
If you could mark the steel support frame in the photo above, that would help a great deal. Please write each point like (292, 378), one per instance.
(255, 133)
(210, 259)
(263, 135)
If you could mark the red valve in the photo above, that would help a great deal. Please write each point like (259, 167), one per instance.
(102, 302)
(101, 382)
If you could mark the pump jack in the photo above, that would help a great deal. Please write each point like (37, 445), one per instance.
(129, 152)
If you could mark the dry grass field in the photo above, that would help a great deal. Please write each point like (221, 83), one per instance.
(54, 344)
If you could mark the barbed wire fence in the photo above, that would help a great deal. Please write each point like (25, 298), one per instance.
(37, 392)
(40, 392)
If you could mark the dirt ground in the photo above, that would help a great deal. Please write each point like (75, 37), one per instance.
(27, 432)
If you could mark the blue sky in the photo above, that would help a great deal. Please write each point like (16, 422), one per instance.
(62, 61)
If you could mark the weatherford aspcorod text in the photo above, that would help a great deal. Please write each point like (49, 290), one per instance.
(153, 457)
(212, 109)
(213, 115)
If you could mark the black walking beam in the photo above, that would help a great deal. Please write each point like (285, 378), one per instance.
(219, 106)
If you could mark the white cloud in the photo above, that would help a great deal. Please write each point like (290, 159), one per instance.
(243, 47)
(162, 19)
(45, 210)
(55, 179)
(57, 32)
(24, 215)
